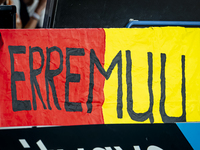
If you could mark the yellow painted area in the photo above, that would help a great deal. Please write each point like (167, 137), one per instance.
(174, 42)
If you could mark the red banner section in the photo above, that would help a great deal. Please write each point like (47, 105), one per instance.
(48, 77)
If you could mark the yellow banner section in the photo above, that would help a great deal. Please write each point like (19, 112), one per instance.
(155, 76)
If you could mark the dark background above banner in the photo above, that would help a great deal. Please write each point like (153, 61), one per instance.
(92, 137)
(116, 13)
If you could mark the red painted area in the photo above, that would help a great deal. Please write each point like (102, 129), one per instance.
(78, 91)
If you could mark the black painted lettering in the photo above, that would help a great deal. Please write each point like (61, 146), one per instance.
(17, 105)
(165, 117)
(49, 74)
(95, 60)
(72, 106)
(34, 73)
(148, 114)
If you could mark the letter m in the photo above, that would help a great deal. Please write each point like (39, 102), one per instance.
(106, 74)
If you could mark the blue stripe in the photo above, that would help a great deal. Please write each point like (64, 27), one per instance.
(191, 131)
(163, 23)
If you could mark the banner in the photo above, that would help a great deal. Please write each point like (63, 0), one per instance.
(99, 76)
